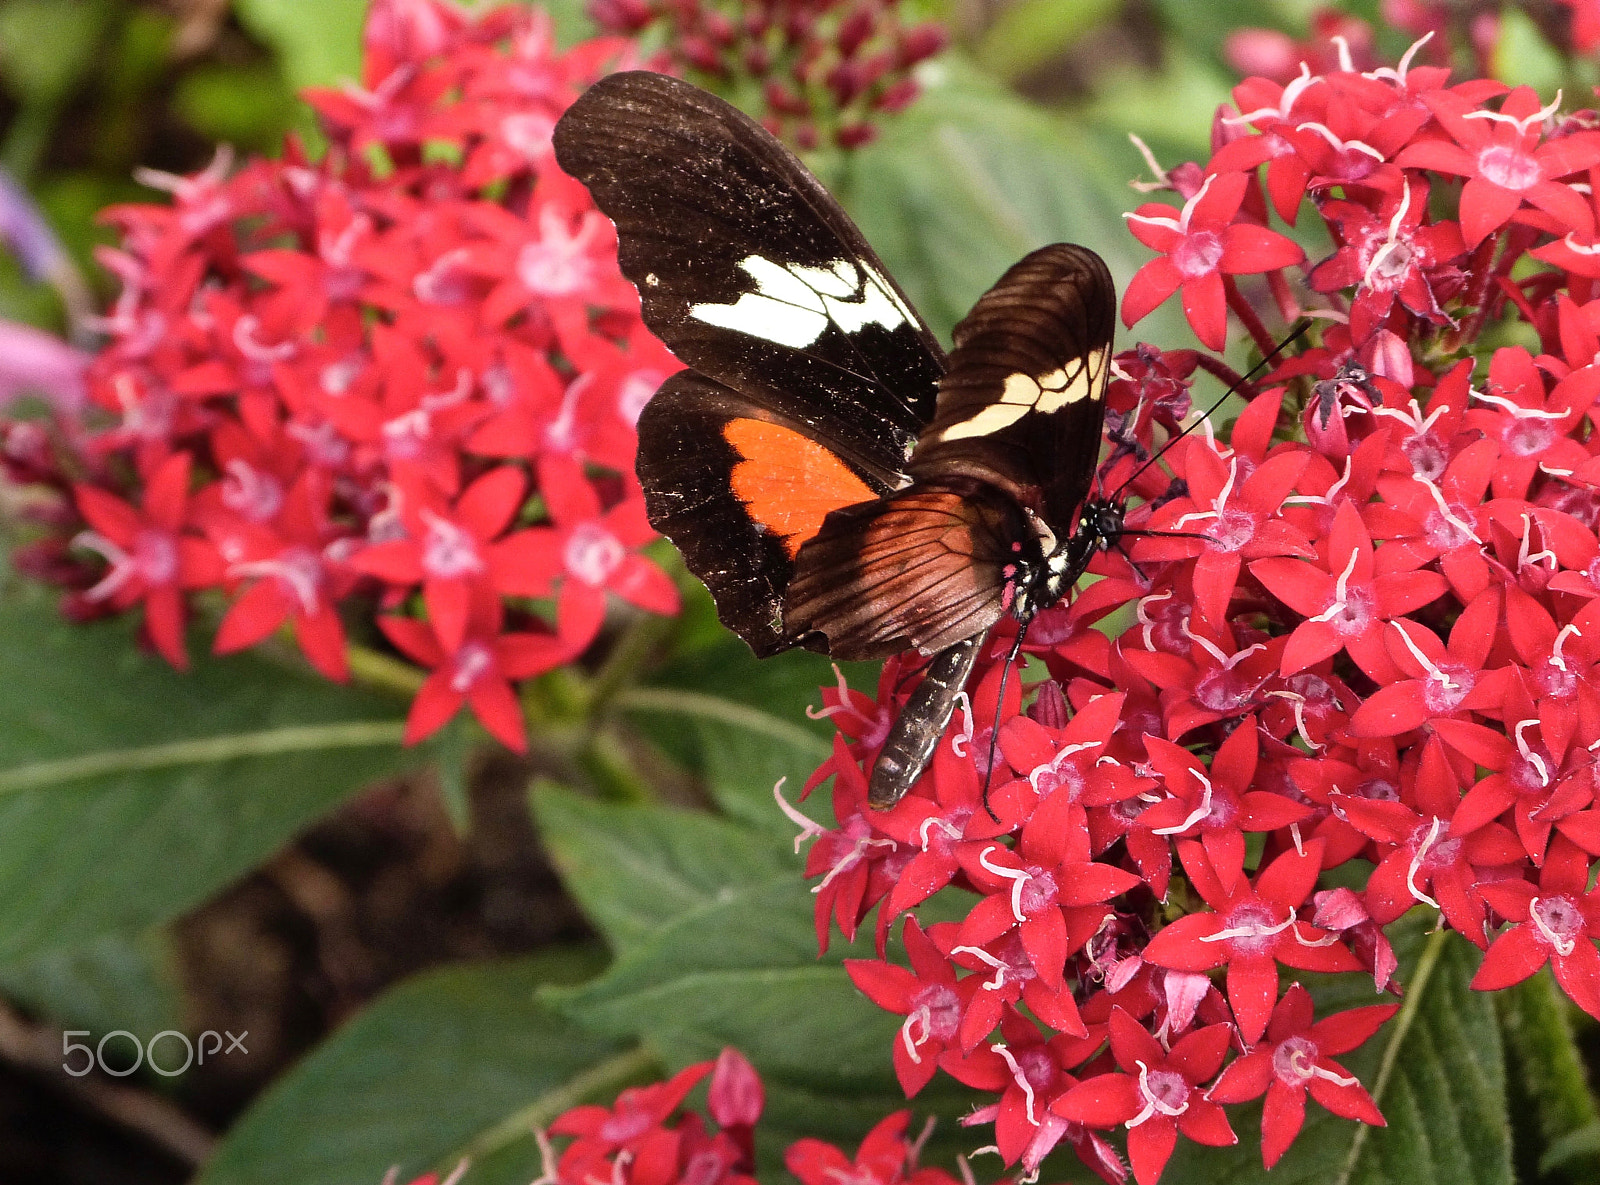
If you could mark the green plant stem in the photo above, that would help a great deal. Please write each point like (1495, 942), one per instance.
(1407, 1016)
(608, 764)
(637, 645)
(269, 742)
(380, 672)
(673, 701)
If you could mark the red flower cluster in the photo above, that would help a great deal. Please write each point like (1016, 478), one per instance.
(645, 1139)
(1339, 39)
(337, 385)
(1376, 640)
(824, 69)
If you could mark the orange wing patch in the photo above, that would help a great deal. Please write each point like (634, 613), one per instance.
(788, 482)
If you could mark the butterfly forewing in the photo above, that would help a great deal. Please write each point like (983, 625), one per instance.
(749, 270)
(1024, 396)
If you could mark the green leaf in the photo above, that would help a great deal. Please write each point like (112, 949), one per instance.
(1522, 57)
(972, 177)
(742, 770)
(635, 869)
(1435, 1070)
(1549, 1089)
(47, 46)
(247, 105)
(130, 792)
(319, 44)
(743, 970)
(117, 982)
(1028, 34)
(435, 1065)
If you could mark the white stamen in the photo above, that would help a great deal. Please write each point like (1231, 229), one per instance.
(1526, 555)
(925, 1015)
(1000, 968)
(1557, 659)
(1516, 409)
(1018, 1077)
(1341, 590)
(1445, 512)
(963, 738)
(1425, 662)
(950, 830)
(1285, 102)
(809, 828)
(1398, 74)
(1341, 145)
(1416, 863)
(1562, 946)
(1195, 816)
(1522, 125)
(1528, 754)
(1250, 931)
(1016, 876)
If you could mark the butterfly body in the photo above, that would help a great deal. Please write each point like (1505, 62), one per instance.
(837, 481)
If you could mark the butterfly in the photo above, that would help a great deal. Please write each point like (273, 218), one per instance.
(837, 481)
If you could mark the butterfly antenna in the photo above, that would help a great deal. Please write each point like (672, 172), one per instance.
(1000, 703)
(1298, 332)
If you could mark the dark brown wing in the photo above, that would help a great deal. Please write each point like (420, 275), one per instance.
(739, 490)
(921, 568)
(749, 270)
(1024, 397)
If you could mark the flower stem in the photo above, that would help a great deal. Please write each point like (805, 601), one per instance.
(380, 672)
(639, 644)
(1247, 314)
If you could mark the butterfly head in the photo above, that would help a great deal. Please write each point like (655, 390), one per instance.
(1041, 584)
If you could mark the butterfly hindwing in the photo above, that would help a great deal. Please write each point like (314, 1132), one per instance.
(739, 491)
(920, 568)
(1024, 395)
(749, 270)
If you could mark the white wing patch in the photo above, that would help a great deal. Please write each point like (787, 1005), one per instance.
(792, 305)
(1046, 393)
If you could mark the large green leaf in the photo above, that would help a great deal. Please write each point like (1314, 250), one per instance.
(130, 792)
(743, 970)
(117, 982)
(1551, 1103)
(635, 869)
(1436, 1071)
(972, 177)
(437, 1065)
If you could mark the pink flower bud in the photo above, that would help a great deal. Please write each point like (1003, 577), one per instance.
(757, 59)
(720, 29)
(702, 55)
(897, 96)
(853, 31)
(736, 1097)
(1050, 708)
(1265, 52)
(921, 43)
(784, 101)
(855, 135)
(620, 16)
